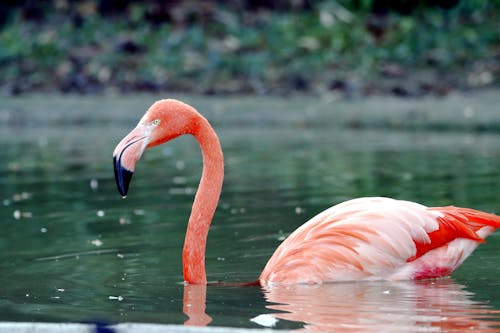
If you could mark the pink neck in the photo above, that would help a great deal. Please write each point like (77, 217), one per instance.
(204, 205)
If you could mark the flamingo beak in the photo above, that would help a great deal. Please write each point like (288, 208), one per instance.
(126, 155)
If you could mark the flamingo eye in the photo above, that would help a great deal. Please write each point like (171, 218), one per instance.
(156, 122)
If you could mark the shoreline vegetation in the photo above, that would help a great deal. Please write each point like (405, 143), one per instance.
(349, 48)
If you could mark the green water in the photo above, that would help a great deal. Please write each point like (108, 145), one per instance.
(72, 250)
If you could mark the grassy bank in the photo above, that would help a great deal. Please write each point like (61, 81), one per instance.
(207, 47)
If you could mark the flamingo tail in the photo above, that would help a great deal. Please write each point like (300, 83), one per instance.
(457, 222)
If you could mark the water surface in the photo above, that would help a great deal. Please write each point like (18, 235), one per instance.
(73, 250)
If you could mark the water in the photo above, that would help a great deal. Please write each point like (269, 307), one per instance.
(73, 250)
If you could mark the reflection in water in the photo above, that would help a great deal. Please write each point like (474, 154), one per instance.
(402, 306)
(194, 305)
(428, 306)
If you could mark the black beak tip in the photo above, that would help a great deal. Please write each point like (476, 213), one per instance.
(122, 177)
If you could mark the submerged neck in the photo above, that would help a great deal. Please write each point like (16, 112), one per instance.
(204, 205)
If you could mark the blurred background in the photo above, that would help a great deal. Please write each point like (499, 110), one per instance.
(350, 48)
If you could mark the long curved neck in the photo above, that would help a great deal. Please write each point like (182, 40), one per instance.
(204, 205)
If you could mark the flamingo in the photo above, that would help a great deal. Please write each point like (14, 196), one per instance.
(371, 238)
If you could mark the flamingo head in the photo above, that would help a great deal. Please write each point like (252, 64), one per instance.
(165, 120)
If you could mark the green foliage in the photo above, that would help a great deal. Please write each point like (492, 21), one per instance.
(232, 51)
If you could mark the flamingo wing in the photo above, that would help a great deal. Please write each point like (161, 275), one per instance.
(379, 238)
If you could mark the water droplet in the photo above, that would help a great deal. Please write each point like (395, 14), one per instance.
(238, 210)
(299, 210)
(180, 165)
(281, 235)
(407, 176)
(27, 215)
(21, 196)
(179, 180)
(94, 184)
(14, 166)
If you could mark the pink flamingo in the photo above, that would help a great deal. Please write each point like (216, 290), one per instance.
(361, 239)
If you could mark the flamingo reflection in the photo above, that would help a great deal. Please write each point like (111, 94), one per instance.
(194, 305)
(425, 306)
(405, 306)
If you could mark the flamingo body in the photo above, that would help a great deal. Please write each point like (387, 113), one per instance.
(379, 239)
(360, 239)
